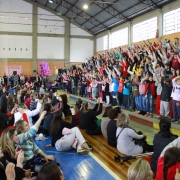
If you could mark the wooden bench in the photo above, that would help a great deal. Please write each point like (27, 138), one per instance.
(105, 153)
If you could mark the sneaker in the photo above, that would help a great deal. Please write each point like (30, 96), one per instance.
(137, 112)
(146, 115)
(150, 116)
(83, 151)
(174, 120)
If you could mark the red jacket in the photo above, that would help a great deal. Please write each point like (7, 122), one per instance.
(171, 170)
(152, 88)
(121, 85)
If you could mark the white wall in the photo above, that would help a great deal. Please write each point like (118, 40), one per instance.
(49, 23)
(80, 49)
(15, 46)
(50, 48)
(75, 30)
(100, 44)
(15, 16)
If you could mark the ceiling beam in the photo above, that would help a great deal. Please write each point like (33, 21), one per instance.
(121, 13)
(46, 3)
(70, 8)
(58, 4)
(100, 11)
(92, 20)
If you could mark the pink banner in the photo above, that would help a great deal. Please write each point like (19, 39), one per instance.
(10, 69)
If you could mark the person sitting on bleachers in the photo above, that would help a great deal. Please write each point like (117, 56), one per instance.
(105, 121)
(126, 137)
(113, 114)
(168, 164)
(140, 170)
(161, 140)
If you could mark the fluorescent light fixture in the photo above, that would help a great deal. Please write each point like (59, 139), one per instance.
(50, 1)
(85, 6)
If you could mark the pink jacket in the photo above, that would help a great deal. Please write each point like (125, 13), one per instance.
(141, 88)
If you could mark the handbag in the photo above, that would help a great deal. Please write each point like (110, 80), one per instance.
(139, 142)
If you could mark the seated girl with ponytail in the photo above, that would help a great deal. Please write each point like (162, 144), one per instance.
(65, 136)
(88, 117)
(168, 164)
(113, 114)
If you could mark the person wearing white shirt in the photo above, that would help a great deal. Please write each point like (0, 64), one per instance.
(23, 109)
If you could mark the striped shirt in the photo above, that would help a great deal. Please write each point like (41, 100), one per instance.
(29, 147)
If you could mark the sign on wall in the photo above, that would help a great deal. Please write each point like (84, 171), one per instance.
(10, 69)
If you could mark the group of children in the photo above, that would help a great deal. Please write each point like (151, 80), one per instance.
(136, 76)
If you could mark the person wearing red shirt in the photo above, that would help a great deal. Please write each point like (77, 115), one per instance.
(167, 164)
(120, 90)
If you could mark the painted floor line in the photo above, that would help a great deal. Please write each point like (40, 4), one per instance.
(105, 167)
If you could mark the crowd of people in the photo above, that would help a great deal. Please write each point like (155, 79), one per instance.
(135, 76)
(128, 78)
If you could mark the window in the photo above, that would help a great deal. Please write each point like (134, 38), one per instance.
(105, 42)
(145, 30)
(120, 38)
(171, 22)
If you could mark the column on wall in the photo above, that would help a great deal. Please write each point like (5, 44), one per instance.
(94, 45)
(34, 36)
(130, 33)
(109, 40)
(67, 42)
(160, 22)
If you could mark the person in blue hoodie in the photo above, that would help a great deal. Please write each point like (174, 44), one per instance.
(126, 94)
(115, 90)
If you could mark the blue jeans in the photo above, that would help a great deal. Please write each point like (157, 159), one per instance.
(116, 95)
(142, 102)
(176, 110)
(137, 103)
(149, 104)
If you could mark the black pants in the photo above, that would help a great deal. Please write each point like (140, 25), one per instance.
(120, 98)
(146, 147)
(95, 131)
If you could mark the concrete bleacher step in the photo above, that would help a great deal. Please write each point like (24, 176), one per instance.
(152, 122)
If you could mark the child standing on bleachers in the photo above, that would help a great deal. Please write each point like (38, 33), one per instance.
(158, 92)
(176, 98)
(165, 97)
(126, 94)
(150, 92)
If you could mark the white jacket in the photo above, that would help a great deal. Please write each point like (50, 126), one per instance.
(30, 114)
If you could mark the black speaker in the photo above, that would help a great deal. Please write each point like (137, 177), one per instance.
(14, 73)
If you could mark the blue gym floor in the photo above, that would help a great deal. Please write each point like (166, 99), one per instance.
(74, 166)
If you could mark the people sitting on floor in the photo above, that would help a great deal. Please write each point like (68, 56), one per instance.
(21, 136)
(65, 136)
(161, 140)
(51, 112)
(105, 121)
(140, 170)
(22, 109)
(113, 114)
(66, 108)
(88, 117)
(19, 173)
(77, 109)
(50, 171)
(128, 141)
